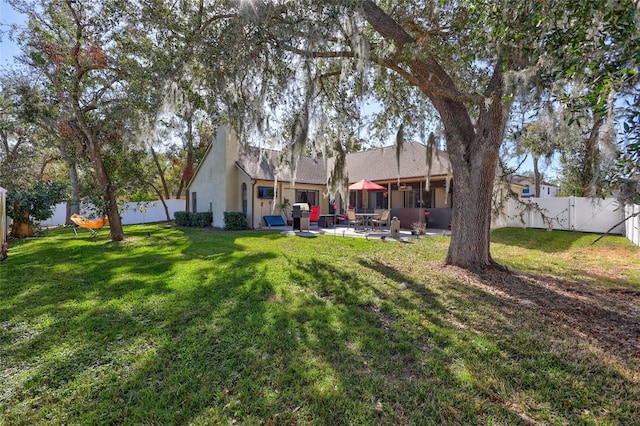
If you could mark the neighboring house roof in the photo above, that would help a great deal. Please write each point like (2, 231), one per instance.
(263, 165)
(381, 163)
(519, 179)
(524, 180)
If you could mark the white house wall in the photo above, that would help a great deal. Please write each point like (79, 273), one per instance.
(216, 182)
(233, 182)
(203, 186)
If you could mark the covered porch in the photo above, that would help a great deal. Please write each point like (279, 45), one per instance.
(409, 201)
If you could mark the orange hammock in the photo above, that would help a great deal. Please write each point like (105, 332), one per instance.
(91, 225)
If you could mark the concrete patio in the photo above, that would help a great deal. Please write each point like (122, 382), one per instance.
(344, 231)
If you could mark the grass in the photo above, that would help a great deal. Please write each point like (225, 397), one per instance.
(183, 326)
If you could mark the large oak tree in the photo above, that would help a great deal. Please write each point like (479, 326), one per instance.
(456, 58)
(465, 59)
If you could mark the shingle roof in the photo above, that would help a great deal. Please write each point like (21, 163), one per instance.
(263, 165)
(375, 164)
(381, 164)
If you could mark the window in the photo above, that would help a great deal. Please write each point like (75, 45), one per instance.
(244, 198)
(309, 197)
(266, 192)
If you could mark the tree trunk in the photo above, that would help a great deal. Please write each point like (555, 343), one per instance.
(473, 151)
(536, 174)
(74, 204)
(22, 228)
(472, 147)
(102, 176)
(166, 210)
(187, 174)
(109, 192)
(115, 223)
(164, 204)
(591, 183)
(473, 181)
(165, 187)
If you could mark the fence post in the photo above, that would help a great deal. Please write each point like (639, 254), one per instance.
(571, 214)
(632, 232)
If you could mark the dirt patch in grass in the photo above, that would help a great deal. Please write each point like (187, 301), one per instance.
(607, 318)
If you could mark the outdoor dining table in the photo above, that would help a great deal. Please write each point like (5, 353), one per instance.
(366, 218)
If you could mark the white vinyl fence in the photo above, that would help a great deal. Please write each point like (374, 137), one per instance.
(3, 216)
(632, 224)
(147, 212)
(566, 213)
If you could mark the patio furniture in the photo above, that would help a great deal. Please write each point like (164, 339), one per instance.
(326, 220)
(273, 220)
(353, 220)
(366, 218)
(383, 220)
(314, 216)
(92, 225)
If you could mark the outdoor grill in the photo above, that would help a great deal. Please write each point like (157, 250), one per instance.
(300, 214)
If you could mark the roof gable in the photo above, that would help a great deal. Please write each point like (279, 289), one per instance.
(264, 164)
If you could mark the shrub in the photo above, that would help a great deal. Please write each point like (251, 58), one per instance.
(235, 221)
(199, 220)
(182, 218)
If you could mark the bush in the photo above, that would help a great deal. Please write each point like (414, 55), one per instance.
(201, 220)
(182, 218)
(198, 220)
(235, 221)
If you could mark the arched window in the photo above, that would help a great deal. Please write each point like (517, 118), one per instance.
(244, 198)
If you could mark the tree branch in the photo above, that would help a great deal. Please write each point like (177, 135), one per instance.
(385, 25)
(426, 74)
(614, 226)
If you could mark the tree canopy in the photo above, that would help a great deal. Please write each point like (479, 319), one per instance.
(301, 75)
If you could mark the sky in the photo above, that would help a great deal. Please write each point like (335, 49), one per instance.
(8, 48)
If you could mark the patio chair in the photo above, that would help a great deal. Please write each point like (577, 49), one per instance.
(314, 215)
(352, 219)
(383, 220)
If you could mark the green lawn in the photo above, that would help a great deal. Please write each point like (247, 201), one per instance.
(184, 326)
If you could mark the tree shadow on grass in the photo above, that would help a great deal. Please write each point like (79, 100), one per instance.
(63, 331)
(609, 320)
(498, 337)
(323, 343)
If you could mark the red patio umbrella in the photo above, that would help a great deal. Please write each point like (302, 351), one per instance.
(366, 185)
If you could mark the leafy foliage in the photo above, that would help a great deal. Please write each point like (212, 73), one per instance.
(199, 220)
(235, 221)
(299, 74)
(27, 140)
(36, 203)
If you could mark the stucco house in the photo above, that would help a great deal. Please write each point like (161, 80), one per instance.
(528, 188)
(232, 179)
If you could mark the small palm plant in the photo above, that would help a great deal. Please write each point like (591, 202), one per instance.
(419, 228)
